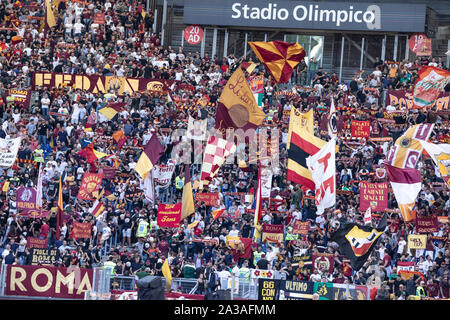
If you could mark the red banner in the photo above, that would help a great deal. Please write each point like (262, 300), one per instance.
(272, 233)
(45, 281)
(109, 173)
(323, 262)
(405, 99)
(21, 97)
(420, 44)
(99, 18)
(91, 182)
(427, 224)
(81, 230)
(37, 243)
(301, 227)
(360, 129)
(169, 215)
(374, 195)
(210, 199)
(96, 84)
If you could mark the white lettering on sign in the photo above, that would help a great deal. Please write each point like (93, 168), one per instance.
(371, 16)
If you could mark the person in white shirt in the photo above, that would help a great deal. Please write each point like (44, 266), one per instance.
(233, 232)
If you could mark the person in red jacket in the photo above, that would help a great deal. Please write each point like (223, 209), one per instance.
(44, 230)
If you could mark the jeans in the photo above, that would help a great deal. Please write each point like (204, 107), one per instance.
(42, 139)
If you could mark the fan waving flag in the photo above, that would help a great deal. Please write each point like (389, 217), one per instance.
(187, 200)
(440, 153)
(429, 85)
(59, 214)
(279, 57)
(111, 110)
(149, 157)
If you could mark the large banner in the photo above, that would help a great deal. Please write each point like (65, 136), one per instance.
(427, 224)
(209, 198)
(37, 243)
(26, 198)
(268, 289)
(21, 97)
(100, 84)
(45, 281)
(323, 262)
(360, 129)
(373, 195)
(337, 291)
(91, 182)
(266, 182)
(81, 230)
(296, 290)
(169, 215)
(8, 151)
(405, 99)
(301, 227)
(272, 233)
(43, 256)
(162, 175)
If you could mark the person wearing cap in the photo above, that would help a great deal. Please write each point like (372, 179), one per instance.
(109, 266)
(420, 290)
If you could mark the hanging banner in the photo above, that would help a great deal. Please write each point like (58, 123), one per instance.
(100, 84)
(33, 213)
(404, 99)
(193, 35)
(37, 243)
(428, 224)
(373, 195)
(26, 198)
(162, 175)
(417, 241)
(209, 198)
(109, 173)
(272, 233)
(8, 151)
(21, 97)
(338, 291)
(91, 182)
(169, 215)
(301, 227)
(266, 182)
(43, 256)
(45, 281)
(360, 129)
(81, 230)
(420, 44)
(296, 290)
(323, 262)
(268, 289)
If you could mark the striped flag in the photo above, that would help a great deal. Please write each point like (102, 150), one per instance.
(368, 216)
(120, 138)
(91, 154)
(187, 199)
(111, 110)
(59, 215)
(217, 213)
(406, 185)
(97, 208)
(407, 149)
(258, 200)
(300, 121)
(153, 150)
(39, 188)
(440, 154)
(332, 121)
(248, 66)
(216, 151)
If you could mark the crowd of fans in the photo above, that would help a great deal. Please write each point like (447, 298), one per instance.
(53, 126)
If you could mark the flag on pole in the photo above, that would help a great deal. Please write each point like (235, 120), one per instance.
(429, 85)
(39, 189)
(165, 269)
(258, 200)
(97, 208)
(49, 16)
(59, 214)
(322, 166)
(148, 187)
(406, 185)
(216, 152)
(407, 149)
(368, 216)
(111, 110)
(300, 121)
(217, 213)
(249, 66)
(187, 207)
(332, 121)
(440, 154)
(279, 57)
(153, 150)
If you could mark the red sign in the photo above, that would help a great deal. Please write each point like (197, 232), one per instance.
(210, 199)
(109, 172)
(301, 227)
(420, 44)
(45, 281)
(374, 195)
(169, 215)
(81, 230)
(428, 224)
(323, 262)
(91, 182)
(193, 34)
(99, 18)
(360, 129)
(37, 243)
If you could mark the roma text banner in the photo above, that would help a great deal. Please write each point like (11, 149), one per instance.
(360, 129)
(20, 97)
(209, 198)
(169, 215)
(81, 230)
(91, 182)
(99, 84)
(373, 195)
(46, 281)
(272, 233)
(405, 99)
(43, 256)
(428, 224)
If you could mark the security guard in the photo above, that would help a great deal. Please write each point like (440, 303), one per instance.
(257, 255)
(109, 265)
(420, 291)
(290, 235)
(244, 273)
(38, 154)
(179, 183)
(142, 228)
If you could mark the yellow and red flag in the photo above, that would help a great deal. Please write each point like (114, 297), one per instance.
(217, 213)
(279, 57)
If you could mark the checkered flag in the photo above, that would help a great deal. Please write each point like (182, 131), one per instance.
(216, 152)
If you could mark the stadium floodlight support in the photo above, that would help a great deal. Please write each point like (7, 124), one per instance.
(362, 53)
(214, 44)
(395, 47)
(342, 58)
(164, 21)
(225, 44)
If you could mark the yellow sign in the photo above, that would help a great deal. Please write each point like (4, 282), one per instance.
(417, 241)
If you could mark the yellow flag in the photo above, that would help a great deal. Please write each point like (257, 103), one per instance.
(50, 17)
(5, 186)
(166, 273)
(301, 121)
